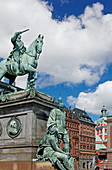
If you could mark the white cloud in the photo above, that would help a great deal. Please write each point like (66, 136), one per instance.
(71, 101)
(70, 53)
(93, 101)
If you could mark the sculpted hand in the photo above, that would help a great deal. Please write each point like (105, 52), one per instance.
(17, 33)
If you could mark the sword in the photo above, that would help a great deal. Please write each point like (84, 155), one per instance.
(24, 31)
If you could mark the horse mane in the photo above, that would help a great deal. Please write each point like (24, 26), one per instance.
(31, 50)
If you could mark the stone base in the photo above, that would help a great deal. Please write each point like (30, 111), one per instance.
(26, 165)
(13, 165)
(32, 114)
(45, 165)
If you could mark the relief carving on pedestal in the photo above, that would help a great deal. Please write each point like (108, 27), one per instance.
(14, 127)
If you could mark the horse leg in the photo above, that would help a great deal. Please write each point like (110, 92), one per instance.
(35, 75)
(32, 77)
(28, 81)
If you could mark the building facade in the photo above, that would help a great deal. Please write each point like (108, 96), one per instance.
(82, 137)
(109, 143)
(101, 138)
(72, 125)
(101, 130)
(86, 139)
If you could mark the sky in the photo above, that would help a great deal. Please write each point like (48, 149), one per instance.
(76, 61)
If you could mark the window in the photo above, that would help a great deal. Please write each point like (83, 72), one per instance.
(93, 140)
(88, 147)
(105, 130)
(94, 147)
(84, 139)
(91, 148)
(87, 139)
(84, 146)
(84, 164)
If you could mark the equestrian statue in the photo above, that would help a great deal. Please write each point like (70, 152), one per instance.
(22, 61)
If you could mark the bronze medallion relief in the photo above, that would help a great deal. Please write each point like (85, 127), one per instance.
(14, 127)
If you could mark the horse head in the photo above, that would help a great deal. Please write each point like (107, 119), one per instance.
(39, 41)
(36, 46)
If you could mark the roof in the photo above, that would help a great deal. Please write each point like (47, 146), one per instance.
(82, 115)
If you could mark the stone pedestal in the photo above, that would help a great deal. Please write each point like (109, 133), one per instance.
(43, 166)
(24, 165)
(16, 165)
(17, 151)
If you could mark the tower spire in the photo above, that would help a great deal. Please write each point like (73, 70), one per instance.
(103, 111)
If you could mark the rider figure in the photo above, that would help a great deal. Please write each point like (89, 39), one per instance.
(18, 48)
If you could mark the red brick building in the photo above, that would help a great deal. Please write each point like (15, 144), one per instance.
(82, 137)
(86, 139)
(72, 125)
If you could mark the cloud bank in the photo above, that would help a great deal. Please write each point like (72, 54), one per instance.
(93, 101)
(75, 49)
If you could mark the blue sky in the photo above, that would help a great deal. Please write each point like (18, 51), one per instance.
(75, 7)
(76, 62)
